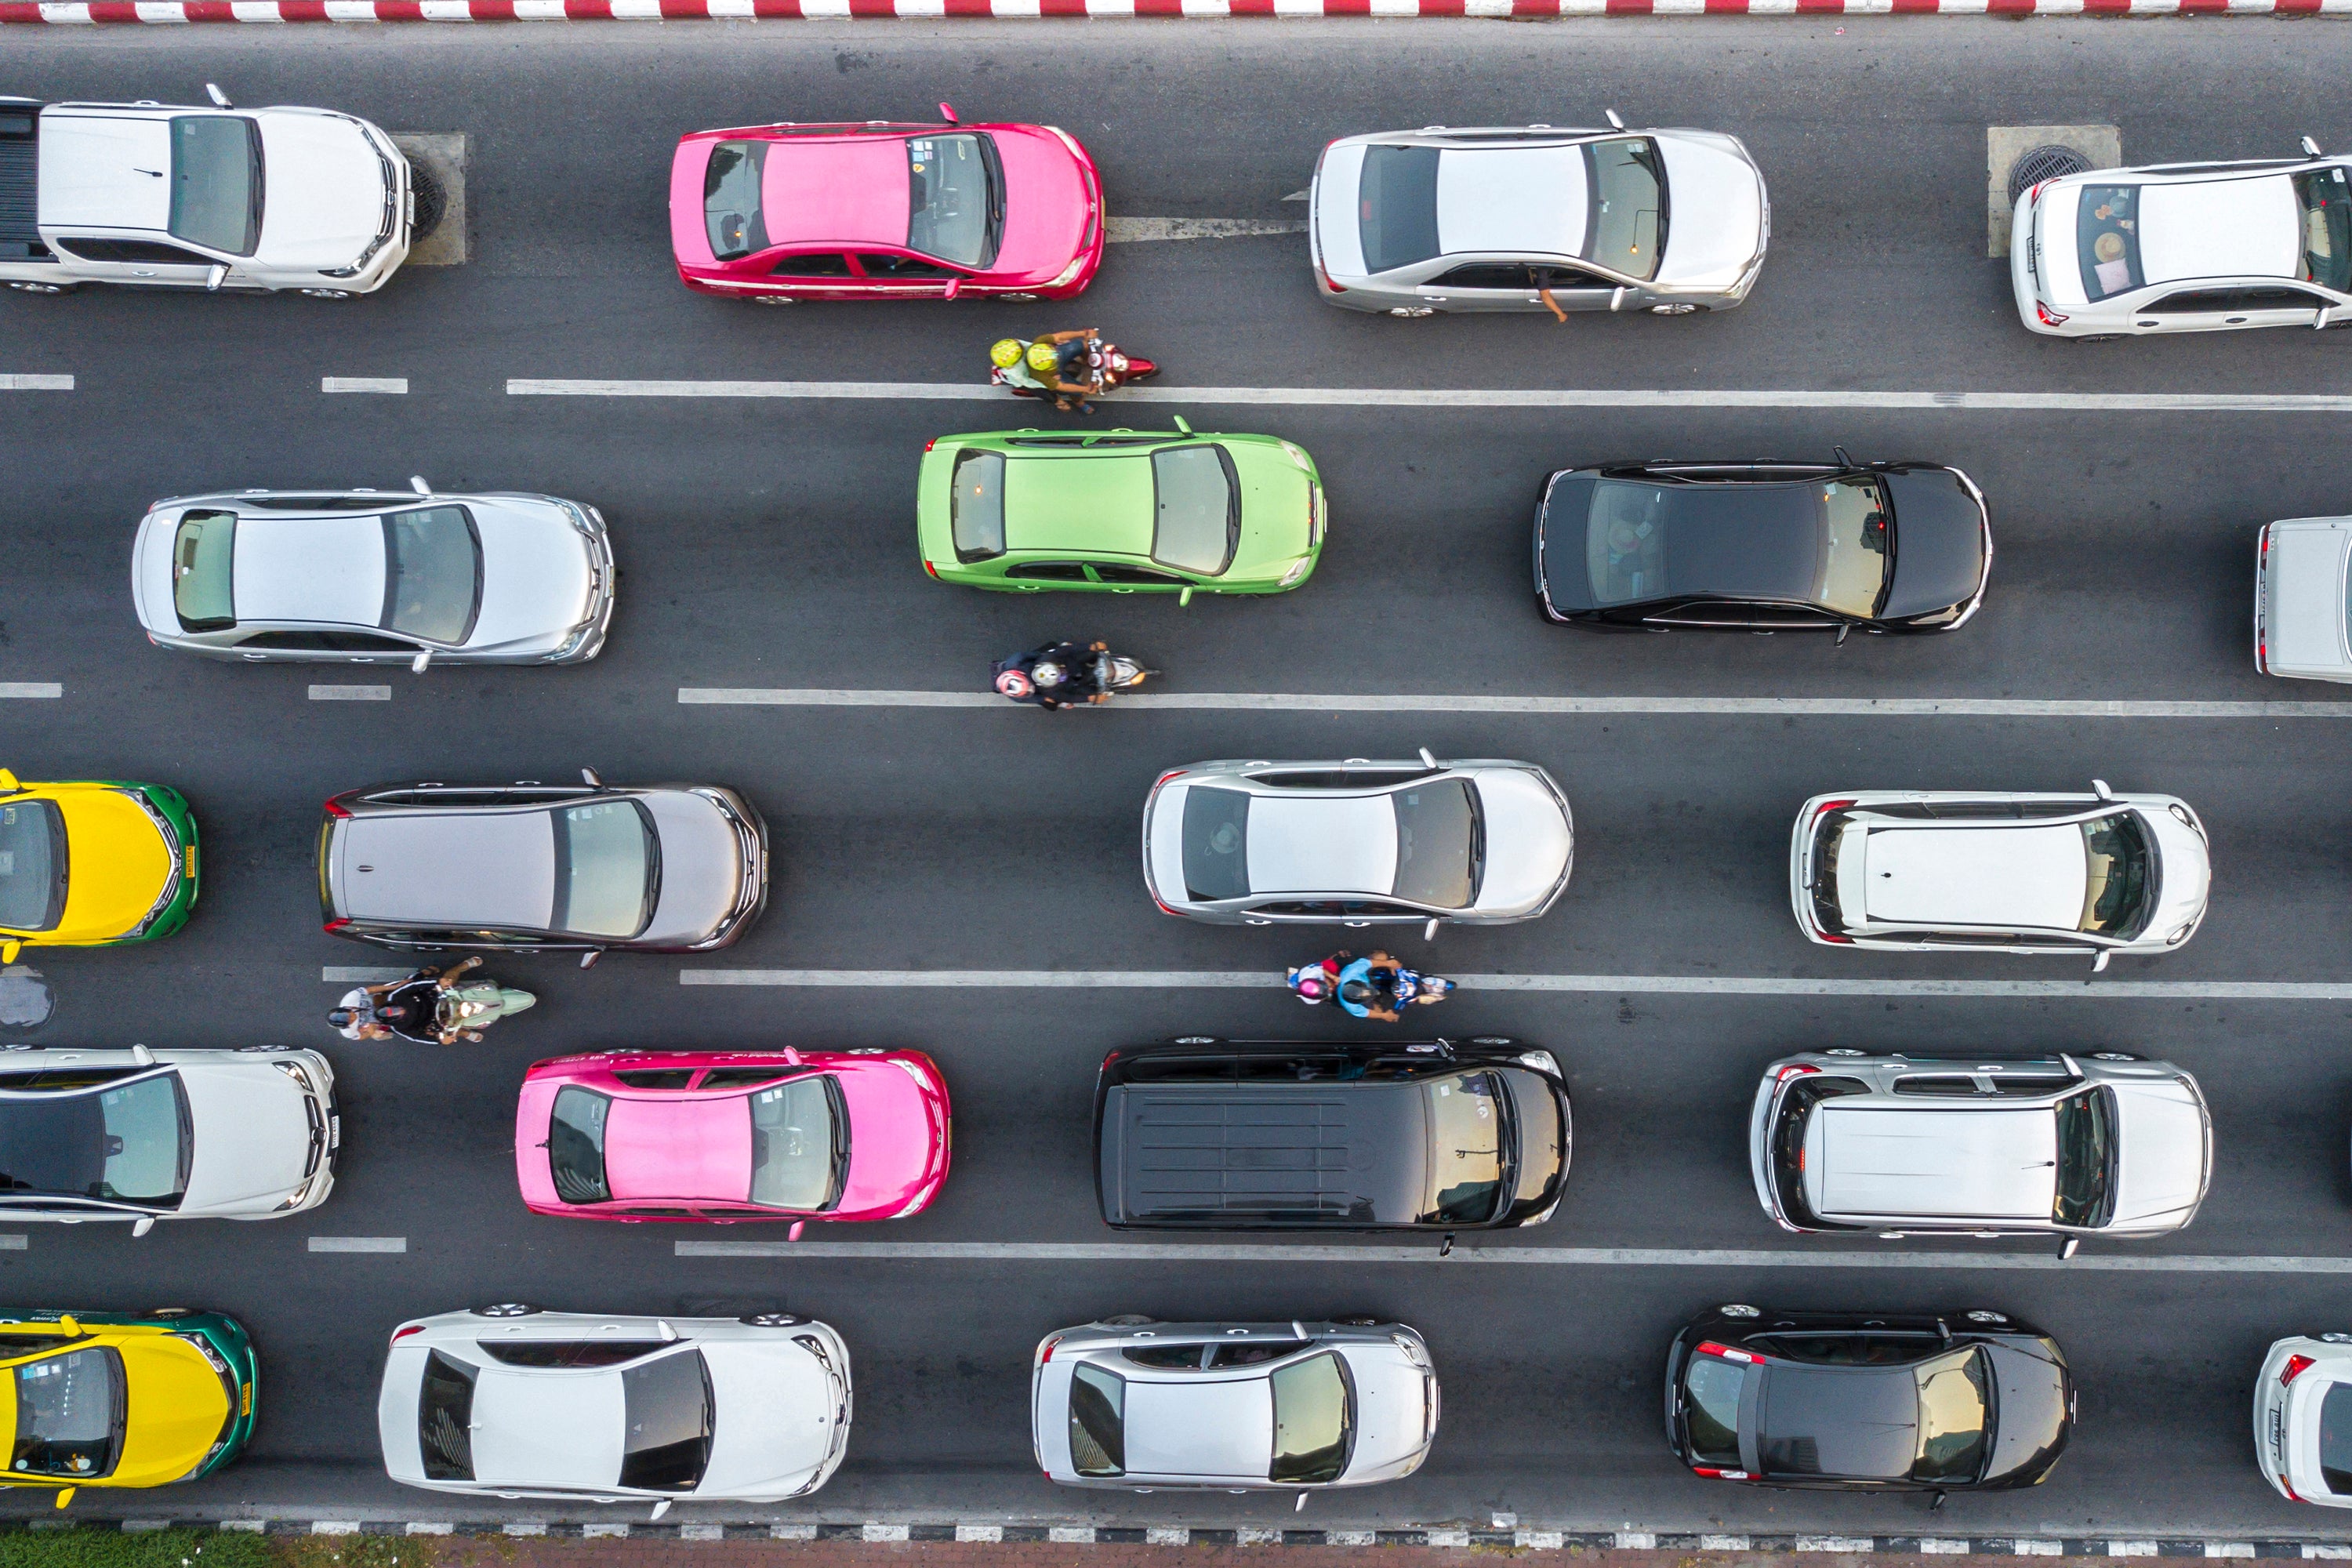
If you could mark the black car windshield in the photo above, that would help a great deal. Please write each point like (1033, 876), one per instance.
(32, 866)
(1955, 1417)
(1626, 229)
(444, 1419)
(2336, 1439)
(575, 1145)
(2086, 1159)
(1098, 1422)
(1312, 1421)
(607, 869)
(129, 1143)
(957, 202)
(2115, 854)
(1541, 1134)
(1438, 844)
(800, 1145)
(1216, 843)
(2326, 198)
(1397, 211)
(216, 181)
(432, 573)
(1468, 1158)
(2106, 240)
(669, 1415)
(203, 588)
(731, 199)
(1711, 1387)
(1827, 543)
(1197, 511)
(69, 1414)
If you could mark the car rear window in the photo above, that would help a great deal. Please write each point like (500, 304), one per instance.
(668, 1409)
(203, 589)
(607, 869)
(1216, 843)
(956, 200)
(1312, 1421)
(731, 199)
(2106, 240)
(444, 1419)
(1098, 1422)
(2088, 1156)
(1438, 844)
(1954, 1410)
(1711, 1388)
(2336, 1439)
(575, 1145)
(69, 1415)
(976, 506)
(216, 181)
(33, 865)
(433, 574)
(1197, 515)
(1397, 214)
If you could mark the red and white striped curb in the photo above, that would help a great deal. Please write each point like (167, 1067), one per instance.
(85, 12)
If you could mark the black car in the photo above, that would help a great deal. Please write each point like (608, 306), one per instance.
(1255, 1135)
(1758, 546)
(1867, 1401)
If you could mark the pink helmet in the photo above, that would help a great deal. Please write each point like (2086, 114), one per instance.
(1013, 683)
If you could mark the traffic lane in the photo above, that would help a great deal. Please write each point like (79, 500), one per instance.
(769, 542)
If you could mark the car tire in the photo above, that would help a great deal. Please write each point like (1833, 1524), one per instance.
(1194, 1040)
(1841, 1051)
(1678, 310)
(1738, 1310)
(1019, 299)
(1412, 312)
(1982, 1316)
(2113, 1057)
(1358, 1320)
(171, 1311)
(45, 287)
(432, 202)
(773, 299)
(326, 293)
(1494, 1040)
(263, 1051)
(507, 1309)
(772, 1319)
(2100, 337)
(1127, 1321)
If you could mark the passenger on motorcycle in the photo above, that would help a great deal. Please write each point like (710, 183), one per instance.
(1058, 675)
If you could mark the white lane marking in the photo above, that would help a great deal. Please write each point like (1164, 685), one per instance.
(1841, 1544)
(359, 974)
(1071, 1534)
(1719, 707)
(593, 1531)
(883, 1532)
(537, 1526)
(50, 688)
(1477, 398)
(12, 1243)
(1126, 230)
(1637, 1541)
(350, 693)
(1539, 1257)
(359, 1244)
(431, 1527)
(334, 1527)
(396, 384)
(793, 1532)
(1167, 1535)
(36, 383)
(991, 1533)
(1725, 1543)
(2085, 988)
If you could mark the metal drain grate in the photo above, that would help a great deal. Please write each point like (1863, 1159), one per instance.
(2048, 163)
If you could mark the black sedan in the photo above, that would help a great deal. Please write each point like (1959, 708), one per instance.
(1762, 547)
(1867, 1402)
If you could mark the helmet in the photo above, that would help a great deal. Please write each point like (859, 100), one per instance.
(341, 1019)
(1004, 354)
(1363, 992)
(1013, 683)
(1042, 357)
(1045, 672)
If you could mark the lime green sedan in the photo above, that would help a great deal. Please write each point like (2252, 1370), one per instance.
(1122, 512)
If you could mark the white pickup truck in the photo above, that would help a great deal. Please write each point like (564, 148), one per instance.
(153, 195)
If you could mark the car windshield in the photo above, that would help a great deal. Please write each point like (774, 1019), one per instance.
(203, 594)
(1438, 844)
(1198, 517)
(2336, 1439)
(32, 866)
(668, 1419)
(1955, 1413)
(1467, 1155)
(2325, 197)
(1312, 1421)
(1541, 1135)
(1397, 214)
(216, 181)
(444, 1419)
(1216, 843)
(1711, 1387)
(70, 1411)
(1098, 1422)
(800, 1145)
(575, 1145)
(607, 869)
(1856, 559)
(731, 199)
(2115, 852)
(2106, 240)
(1825, 542)
(1628, 205)
(128, 1144)
(976, 506)
(432, 573)
(956, 207)
(2086, 1159)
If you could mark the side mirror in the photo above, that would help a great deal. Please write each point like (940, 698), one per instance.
(2100, 962)
(1614, 120)
(1617, 298)
(70, 1324)
(142, 1224)
(216, 278)
(955, 287)
(799, 1227)
(66, 1495)
(416, 482)
(1843, 459)
(1429, 931)
(2310, 148)
(417, 666)
(2068, 1247)
(947, 114)
(8, 780)
(1300, 1506)
(1845, 630)
(791, 1055)
(660, 1509)
(588, 959)
(591, 778)
(1185, 597)
(2099, 787)
(1184, 425)
(9, 950)
(1426, 760)
(220, 99)
(142, 1057)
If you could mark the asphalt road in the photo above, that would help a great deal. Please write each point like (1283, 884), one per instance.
(767, 543)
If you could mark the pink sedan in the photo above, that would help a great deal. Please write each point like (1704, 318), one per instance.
(732, 1135)
(882, 211)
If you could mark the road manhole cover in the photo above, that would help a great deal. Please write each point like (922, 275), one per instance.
(26, 1000)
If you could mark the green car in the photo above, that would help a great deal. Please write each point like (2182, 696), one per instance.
(1123, 512)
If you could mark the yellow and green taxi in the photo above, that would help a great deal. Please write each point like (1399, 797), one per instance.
(1120, 511)
(90, 863)
(116, 1399)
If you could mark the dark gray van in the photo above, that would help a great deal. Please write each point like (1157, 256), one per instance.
(1254, 1134)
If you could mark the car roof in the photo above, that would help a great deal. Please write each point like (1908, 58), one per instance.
(1322, 843)
(1089, 501)
(1202, 1426)
(849, 191)
(1860, 1421)
(2006, 875)
(488, 867)
(531, 1428)
(1978, 1163)
(1512, 199)
(321, 568)
(2247, 226)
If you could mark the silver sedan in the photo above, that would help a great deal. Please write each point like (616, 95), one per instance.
(1357, 842)
(375, 577)
(1410, 223)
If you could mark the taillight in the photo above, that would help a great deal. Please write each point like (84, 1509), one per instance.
(2033, 196)
(932, 442)
(1710, 1348)
(1794, 1069)
(2288, 1487)
(2050, 318)
(337, 809)
(1829, 806)
(1714, 1474)
(2292, 1369)
(1046, 1350)
(338, 923)
(400, 1334)
(1164, 778)
(931, 569)
(1841, 941)
(1163, 907)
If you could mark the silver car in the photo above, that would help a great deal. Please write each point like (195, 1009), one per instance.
(2302, 1418)
(1961, 871)
(1146, 1407)
(2100, 1145)
(1538, 218)
(2185, 248)
(2301, 607)
(1357, 842)
(375, 577)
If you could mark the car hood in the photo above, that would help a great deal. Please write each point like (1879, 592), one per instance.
(2220, 228)
(1047, 203)
(2304, 618)
(896, 1137)
(776, 1411)
(1391, 1411)
(1322, 844)
(1966, 1164)
(1715, 209)
(1993, 877)
(309, 569)
(116, 863)
(679, 1149)
(1273, 509)
(1206, 1428)
(176, 1408)
(1940, 543)
(91, 172)
(1530, 841)
(702, 868)
(2161, 1151)
(538, 572)
(2031, 1413)
(250, 1133)
(324, 190)
(2185, 871)
(1838, 1421)
(547, 1430)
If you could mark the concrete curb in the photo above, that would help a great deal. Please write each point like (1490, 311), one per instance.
(86, 12)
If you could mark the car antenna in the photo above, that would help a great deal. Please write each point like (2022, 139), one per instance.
(1841, 457)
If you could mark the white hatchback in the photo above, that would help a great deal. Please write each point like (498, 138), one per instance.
(2302, 1419)
(2303, 621)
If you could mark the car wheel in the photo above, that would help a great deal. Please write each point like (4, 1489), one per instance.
(1127, 1321)
(772, 300)
(1358, 1320)
(1674, 309)
(773, 1320)
(1841, 1051)
(1019, 299)
(171, 1311)
(1494, 1040)
(45, 287)
(2100, 338)
(263, 1051)
(2334, 1338)
(326, 293)
(1194, 1040)
(507, 1309)
(432, 202)
(2113, 1056)
(1414, 312)
(1981, 1316)
(1738, 1310)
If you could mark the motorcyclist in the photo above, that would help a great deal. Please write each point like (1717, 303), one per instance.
(431, 1006)
(1055, 676)
(1053, 367)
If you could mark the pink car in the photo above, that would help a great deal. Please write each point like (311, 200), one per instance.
(883, 211)
(732, 1135)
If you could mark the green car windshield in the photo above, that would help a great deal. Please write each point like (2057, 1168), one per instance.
(1196, 514)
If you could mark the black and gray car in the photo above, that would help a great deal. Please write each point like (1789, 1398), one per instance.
(1267, 1135)
(1762, 547)
(1960, 1401)
(530, 866)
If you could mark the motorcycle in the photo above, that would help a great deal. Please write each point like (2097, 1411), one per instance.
(1100, 366)
(1066, 675)
(422, 1011)
(1380, 984)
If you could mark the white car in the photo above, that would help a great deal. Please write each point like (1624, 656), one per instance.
(139, 1135)
(512, 1402)
(1357, 842)
(2185, 248)
(160, 196)
(2302, 1419)
(1945, 870)
(1145, 1407)
(2303, 600)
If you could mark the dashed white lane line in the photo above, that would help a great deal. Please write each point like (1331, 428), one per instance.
(1749, 707)
(396, 385)
(2084, 988)
(1484, 398)
(32, 689)
(1127, 230)
(350, 693)
(36, 383)
(12, 1243)
(359, 1244)
(1533, 1257)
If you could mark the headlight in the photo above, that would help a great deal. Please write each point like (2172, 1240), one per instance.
(298, 1073)
(580, 516)
(1298, 569)
(2177, 938)
(1068, 275)
(1299, 455)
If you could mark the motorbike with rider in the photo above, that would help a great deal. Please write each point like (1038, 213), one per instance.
(1060, 675)
(431, 1007)
(1067, 369)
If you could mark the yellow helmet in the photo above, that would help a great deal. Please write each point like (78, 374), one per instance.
(1043, 358)
(1005, 353)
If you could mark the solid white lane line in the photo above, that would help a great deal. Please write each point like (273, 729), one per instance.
(359, 1244)
(1127, 230)
(12, 1243)
(2084, 988)
(1719, 707)
(36, 383)
(360, 974)
(35, 689)
(1474, 397)
(1544, 1257)
(350, 693)
(396, 384)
